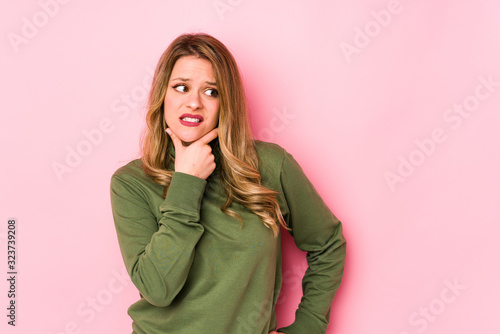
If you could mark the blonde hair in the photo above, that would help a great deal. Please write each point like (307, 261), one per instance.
(238, 157)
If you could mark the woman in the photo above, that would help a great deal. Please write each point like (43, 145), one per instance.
(198, 216)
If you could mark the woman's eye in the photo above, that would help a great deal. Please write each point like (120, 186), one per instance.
(212, 92)
(181, 88)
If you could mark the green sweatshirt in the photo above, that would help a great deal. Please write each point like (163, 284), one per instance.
(199, 270)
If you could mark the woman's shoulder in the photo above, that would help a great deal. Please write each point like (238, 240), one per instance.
(271, 157)
(278, 159)
(130, 182)
(269, 151)
(132, 168)
(132, 171)
(132, 177)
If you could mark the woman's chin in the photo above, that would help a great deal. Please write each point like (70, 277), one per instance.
(188, 140)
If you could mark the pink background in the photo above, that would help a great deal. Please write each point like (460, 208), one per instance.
(362, 93)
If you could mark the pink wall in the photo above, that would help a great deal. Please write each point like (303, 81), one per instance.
(391, 107)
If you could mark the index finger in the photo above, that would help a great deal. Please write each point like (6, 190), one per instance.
(175, 140)
(209, 136)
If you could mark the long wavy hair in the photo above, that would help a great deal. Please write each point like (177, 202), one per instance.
(238, 157)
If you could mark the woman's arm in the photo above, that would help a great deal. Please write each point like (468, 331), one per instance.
(318, 232)
(158, 254)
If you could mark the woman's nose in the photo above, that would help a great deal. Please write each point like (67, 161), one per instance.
(194, 101)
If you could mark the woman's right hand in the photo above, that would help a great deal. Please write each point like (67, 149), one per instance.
(196, 159)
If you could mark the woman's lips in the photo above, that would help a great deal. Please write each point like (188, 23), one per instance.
(190, 119)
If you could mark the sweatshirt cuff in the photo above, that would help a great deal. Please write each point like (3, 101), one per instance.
(185, 192)
(303, 324)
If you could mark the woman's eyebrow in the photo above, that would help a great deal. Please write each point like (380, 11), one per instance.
(182, 79)
(187, 79)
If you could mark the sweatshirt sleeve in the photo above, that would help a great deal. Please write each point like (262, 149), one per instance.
(158, 254)
(318, 232)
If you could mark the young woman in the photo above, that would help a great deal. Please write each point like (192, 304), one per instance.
(198, 216)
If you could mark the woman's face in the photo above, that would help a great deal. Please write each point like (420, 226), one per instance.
(192, 100)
